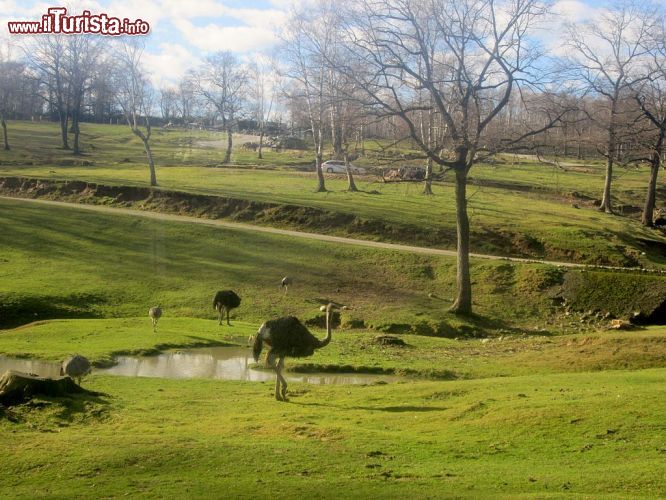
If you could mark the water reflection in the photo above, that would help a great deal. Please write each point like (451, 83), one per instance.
(221, 363)
(38, 367)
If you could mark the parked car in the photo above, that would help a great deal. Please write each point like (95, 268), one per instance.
(338, 167)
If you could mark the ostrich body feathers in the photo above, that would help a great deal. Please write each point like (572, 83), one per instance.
(226, 298)
(285, 337)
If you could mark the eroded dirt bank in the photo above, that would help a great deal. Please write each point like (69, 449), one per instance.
(311, 219)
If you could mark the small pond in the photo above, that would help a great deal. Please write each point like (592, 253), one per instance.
(221, 363)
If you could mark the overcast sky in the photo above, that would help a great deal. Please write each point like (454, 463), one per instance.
(184, 31)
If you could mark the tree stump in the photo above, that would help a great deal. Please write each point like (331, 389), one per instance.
(17, 387)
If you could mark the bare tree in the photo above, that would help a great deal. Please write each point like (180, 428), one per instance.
(307, 42)
(606, 54)
(11, 77)
(222, 82)
(346, 116)
(47, 56)
(134, 95)
(263, 97)
(168, 103)
(80, 56)
(101, 94)
(651, 99)
(187, 99)
(344, 101)
(469, 57)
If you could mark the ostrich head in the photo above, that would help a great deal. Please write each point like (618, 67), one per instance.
(332, 306)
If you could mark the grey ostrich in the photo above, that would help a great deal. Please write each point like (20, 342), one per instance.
(76, 367)
(288, 337)
(155, 313)
(224, 301)
(286, 281)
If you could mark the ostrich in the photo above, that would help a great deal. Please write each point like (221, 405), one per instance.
(76, 367)
(155, 313)
(286, 281)
(224, 301)
(288, 337)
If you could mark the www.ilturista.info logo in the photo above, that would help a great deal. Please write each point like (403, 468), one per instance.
(57, 21)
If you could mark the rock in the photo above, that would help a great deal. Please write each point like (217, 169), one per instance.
(620, 324)
(389, 340)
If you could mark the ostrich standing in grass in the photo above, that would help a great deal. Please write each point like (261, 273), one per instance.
(286, 281)
(76, 367)
(224, 301)
(288, 337)
(155, 313)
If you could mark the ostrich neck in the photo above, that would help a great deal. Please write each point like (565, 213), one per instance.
(327, 339)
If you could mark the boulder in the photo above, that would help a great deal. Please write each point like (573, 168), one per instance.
(389, 340)
(620, 324)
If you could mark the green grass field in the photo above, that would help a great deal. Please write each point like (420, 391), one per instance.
(518, 208)
(533, 397)
(590, 435)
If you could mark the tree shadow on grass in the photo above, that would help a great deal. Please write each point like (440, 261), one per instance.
(91, 405)
(477, 325)
(84, 406)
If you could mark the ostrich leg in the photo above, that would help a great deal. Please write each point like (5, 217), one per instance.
(270, 359)
(220, 312)
(228, 318)
(280, 367)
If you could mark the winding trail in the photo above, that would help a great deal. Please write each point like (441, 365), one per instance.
(300, 234)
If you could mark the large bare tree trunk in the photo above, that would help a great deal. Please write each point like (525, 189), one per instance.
(321, 185)
(77, 133)
(63, 130)
(151, 164)
(362, 141)
(319, 158)
(611, 150)
(427, 184)
(463, 302)
(149, 155)
(350, 177)
(227, 154)
(648, 210)
(606, 199)
(4, 132)
(336, 133)
(261, 144)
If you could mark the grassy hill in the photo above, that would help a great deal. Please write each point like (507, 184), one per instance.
(516, 207)
(527, 412)
(62, 262)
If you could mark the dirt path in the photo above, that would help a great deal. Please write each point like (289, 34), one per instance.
(295, 234)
